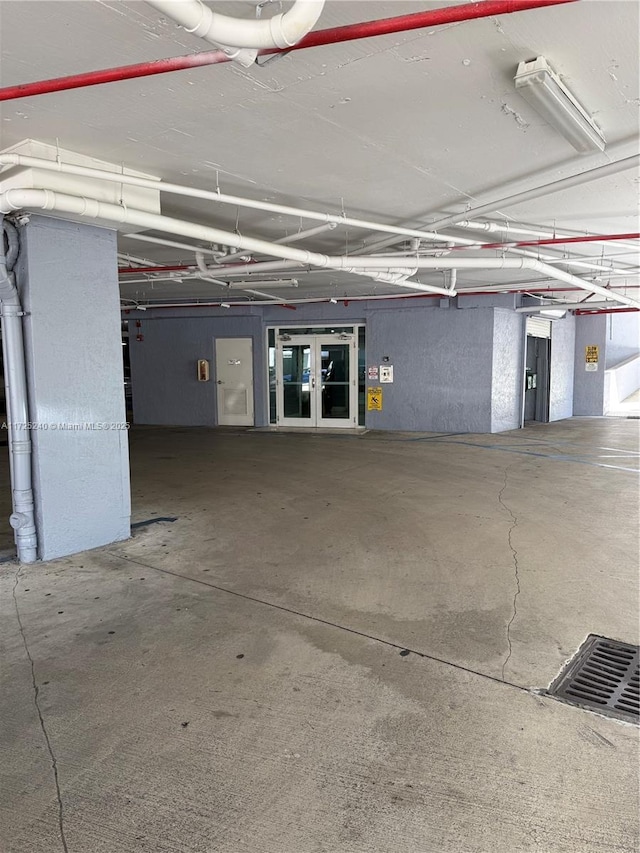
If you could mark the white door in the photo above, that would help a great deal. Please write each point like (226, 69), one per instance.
(317, 381)
(234, 378)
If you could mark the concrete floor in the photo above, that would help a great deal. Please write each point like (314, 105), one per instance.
(237, 680)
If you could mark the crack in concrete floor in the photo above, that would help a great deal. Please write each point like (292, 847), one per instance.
(516, 568)
(36, 702)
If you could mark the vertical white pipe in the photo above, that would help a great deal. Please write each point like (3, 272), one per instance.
(22, 519)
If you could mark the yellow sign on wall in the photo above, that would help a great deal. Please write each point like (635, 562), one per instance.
(591, 354)
(374, 399)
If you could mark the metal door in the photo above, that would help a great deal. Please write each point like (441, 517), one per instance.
(234, 381)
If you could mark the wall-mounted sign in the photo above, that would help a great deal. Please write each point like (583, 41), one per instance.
(374, 399)
(591, 354)
(386, 373)
(373, 372)
(591, 358)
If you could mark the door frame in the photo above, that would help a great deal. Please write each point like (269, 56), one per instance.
(250, 416)
(543, 370)
(315, 340)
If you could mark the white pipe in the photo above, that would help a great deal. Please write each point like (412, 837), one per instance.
(262, 266)
(507, 228)
(583, 263)
(564, 306)
(224, 198)
(205, 271)
(282, 241)
(281, 31)
(309, 232)
(22, 519)
(173, 244)
(125, 256)
(493, 227)
(535, 192)
(538, 192)
(20, 198)
(276, 282)
(568, 262)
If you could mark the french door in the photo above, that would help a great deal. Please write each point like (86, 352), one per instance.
(316, 381)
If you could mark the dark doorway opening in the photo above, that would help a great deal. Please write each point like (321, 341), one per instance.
(537, 380)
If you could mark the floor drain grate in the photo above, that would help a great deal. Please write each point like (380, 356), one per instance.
(603, 676)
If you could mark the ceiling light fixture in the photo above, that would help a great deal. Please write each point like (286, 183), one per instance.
(553, 313)
(281, 282)
(539, 84)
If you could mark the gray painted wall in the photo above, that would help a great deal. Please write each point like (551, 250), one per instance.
(588, 388)
(507, 370)
(67, 275)
(442, 368)
(443, 361)
(165, 387)
(622, 337)
(563, 343)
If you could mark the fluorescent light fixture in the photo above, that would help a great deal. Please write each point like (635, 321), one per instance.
(538, 83)
(281, 282)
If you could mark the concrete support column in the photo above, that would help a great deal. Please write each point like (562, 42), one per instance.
(67, 278)
(588, 386)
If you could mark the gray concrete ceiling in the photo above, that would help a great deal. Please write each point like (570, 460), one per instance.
(402, 128)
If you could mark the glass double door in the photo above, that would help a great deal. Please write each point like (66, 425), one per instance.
(316, 381)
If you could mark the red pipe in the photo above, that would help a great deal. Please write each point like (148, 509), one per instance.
(333, 35)
(181, 268)
(604, 310)
(592, 238)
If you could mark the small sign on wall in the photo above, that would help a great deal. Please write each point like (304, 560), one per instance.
(374, 399)
(591, 357)
(373, 372)
(386, 373)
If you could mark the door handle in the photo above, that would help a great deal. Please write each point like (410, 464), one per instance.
(313, 381)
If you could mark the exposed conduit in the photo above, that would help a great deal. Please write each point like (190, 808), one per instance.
(22, 519)
(235, 35)
(607, 311)
(330, 220)
(536, 192)
(10, 159)
(597, 238)
(334, 35)
(586, 176)
(506, 227)
(40, 199)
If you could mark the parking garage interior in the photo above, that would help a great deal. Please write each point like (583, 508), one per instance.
(319, 453)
